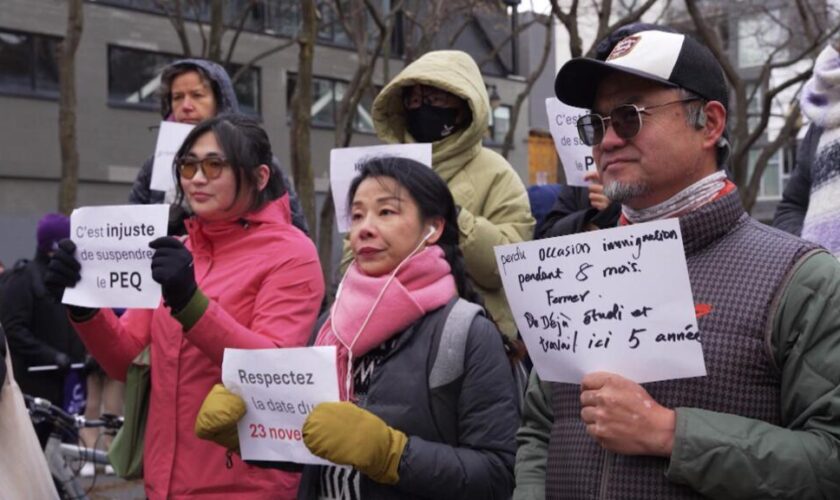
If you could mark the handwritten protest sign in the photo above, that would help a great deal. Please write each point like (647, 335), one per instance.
(616, 300)
(343, 170)
(112, 246)
(170, 138)
(280, 387)
(574, 154)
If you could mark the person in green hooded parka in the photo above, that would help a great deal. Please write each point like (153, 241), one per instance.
(441, 98)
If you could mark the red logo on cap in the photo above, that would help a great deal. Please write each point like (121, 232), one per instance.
(624, 47)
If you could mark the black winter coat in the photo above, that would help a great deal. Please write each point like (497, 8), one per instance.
(572, 212)
(37, 329)
(790, 212)
(480, 464)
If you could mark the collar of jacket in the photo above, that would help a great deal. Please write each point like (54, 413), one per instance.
(711, 221)
(204, 235)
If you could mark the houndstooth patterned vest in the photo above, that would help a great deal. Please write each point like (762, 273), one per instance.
(737, 267)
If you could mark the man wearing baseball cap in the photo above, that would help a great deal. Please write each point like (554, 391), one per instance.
(765, 420)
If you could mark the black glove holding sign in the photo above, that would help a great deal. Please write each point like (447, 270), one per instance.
(172, 267)
(63, 272)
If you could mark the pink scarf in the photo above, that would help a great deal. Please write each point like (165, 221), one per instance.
(423, 283)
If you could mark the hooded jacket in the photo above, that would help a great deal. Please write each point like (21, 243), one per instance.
(226, 102)
(494, 208)
(264, 284)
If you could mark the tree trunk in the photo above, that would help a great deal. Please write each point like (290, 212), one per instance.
(217, 31)
(301, 114)
(67, 108)
(325, 241)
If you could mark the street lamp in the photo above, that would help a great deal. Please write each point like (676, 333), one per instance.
(514, 23)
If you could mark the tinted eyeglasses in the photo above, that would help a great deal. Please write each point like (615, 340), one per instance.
(626, 121)
(210, 166)
(430, 96)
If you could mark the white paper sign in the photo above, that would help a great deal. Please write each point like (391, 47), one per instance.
(616, 300)
(170, 138)
(343, 170)
(574, 154)
(280, 387)
(112, 245)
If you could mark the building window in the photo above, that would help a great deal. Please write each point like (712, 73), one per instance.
(326, 99)
(247, 88)
(134, 76)
(774, 177)
(29, 64)
(145, 5)
(134, 79)
(283, 17)
(499, 124)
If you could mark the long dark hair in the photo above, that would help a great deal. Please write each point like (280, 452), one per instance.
(246, 146)
(433, 200)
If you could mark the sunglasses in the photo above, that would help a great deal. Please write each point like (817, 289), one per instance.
(626, 121)
(211, 167)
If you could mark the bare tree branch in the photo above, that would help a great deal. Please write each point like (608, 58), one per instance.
(712, 41)
(529, 84)
(176, 18)
(197, 18)
(458, 32)
(785, 134)
(496, 48)
(240, 25)
(262, 55)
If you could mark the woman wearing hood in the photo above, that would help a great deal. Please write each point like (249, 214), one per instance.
(441, 98)
(192, 90)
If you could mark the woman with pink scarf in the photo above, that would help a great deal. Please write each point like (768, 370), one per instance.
(390, 436)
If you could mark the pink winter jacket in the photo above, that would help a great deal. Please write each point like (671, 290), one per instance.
(265, 286)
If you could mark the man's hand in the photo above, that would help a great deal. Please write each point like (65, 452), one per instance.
(597, 198)
(624, 418)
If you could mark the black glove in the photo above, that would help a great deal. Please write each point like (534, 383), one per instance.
(63, 269)
(63, 362)
(172, 267)
(63, 272)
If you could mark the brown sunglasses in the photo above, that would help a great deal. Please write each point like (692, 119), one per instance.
(211, 166)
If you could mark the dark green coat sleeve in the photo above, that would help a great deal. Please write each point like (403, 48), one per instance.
(532, 439)
(729, 456)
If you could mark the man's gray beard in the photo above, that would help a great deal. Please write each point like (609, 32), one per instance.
(621, 192)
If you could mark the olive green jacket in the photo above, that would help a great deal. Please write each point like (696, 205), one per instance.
(494, 204)
(729, 456)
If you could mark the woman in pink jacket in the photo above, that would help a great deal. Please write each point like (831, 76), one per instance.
(244, 278)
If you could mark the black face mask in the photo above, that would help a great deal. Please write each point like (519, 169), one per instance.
(429, 123)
